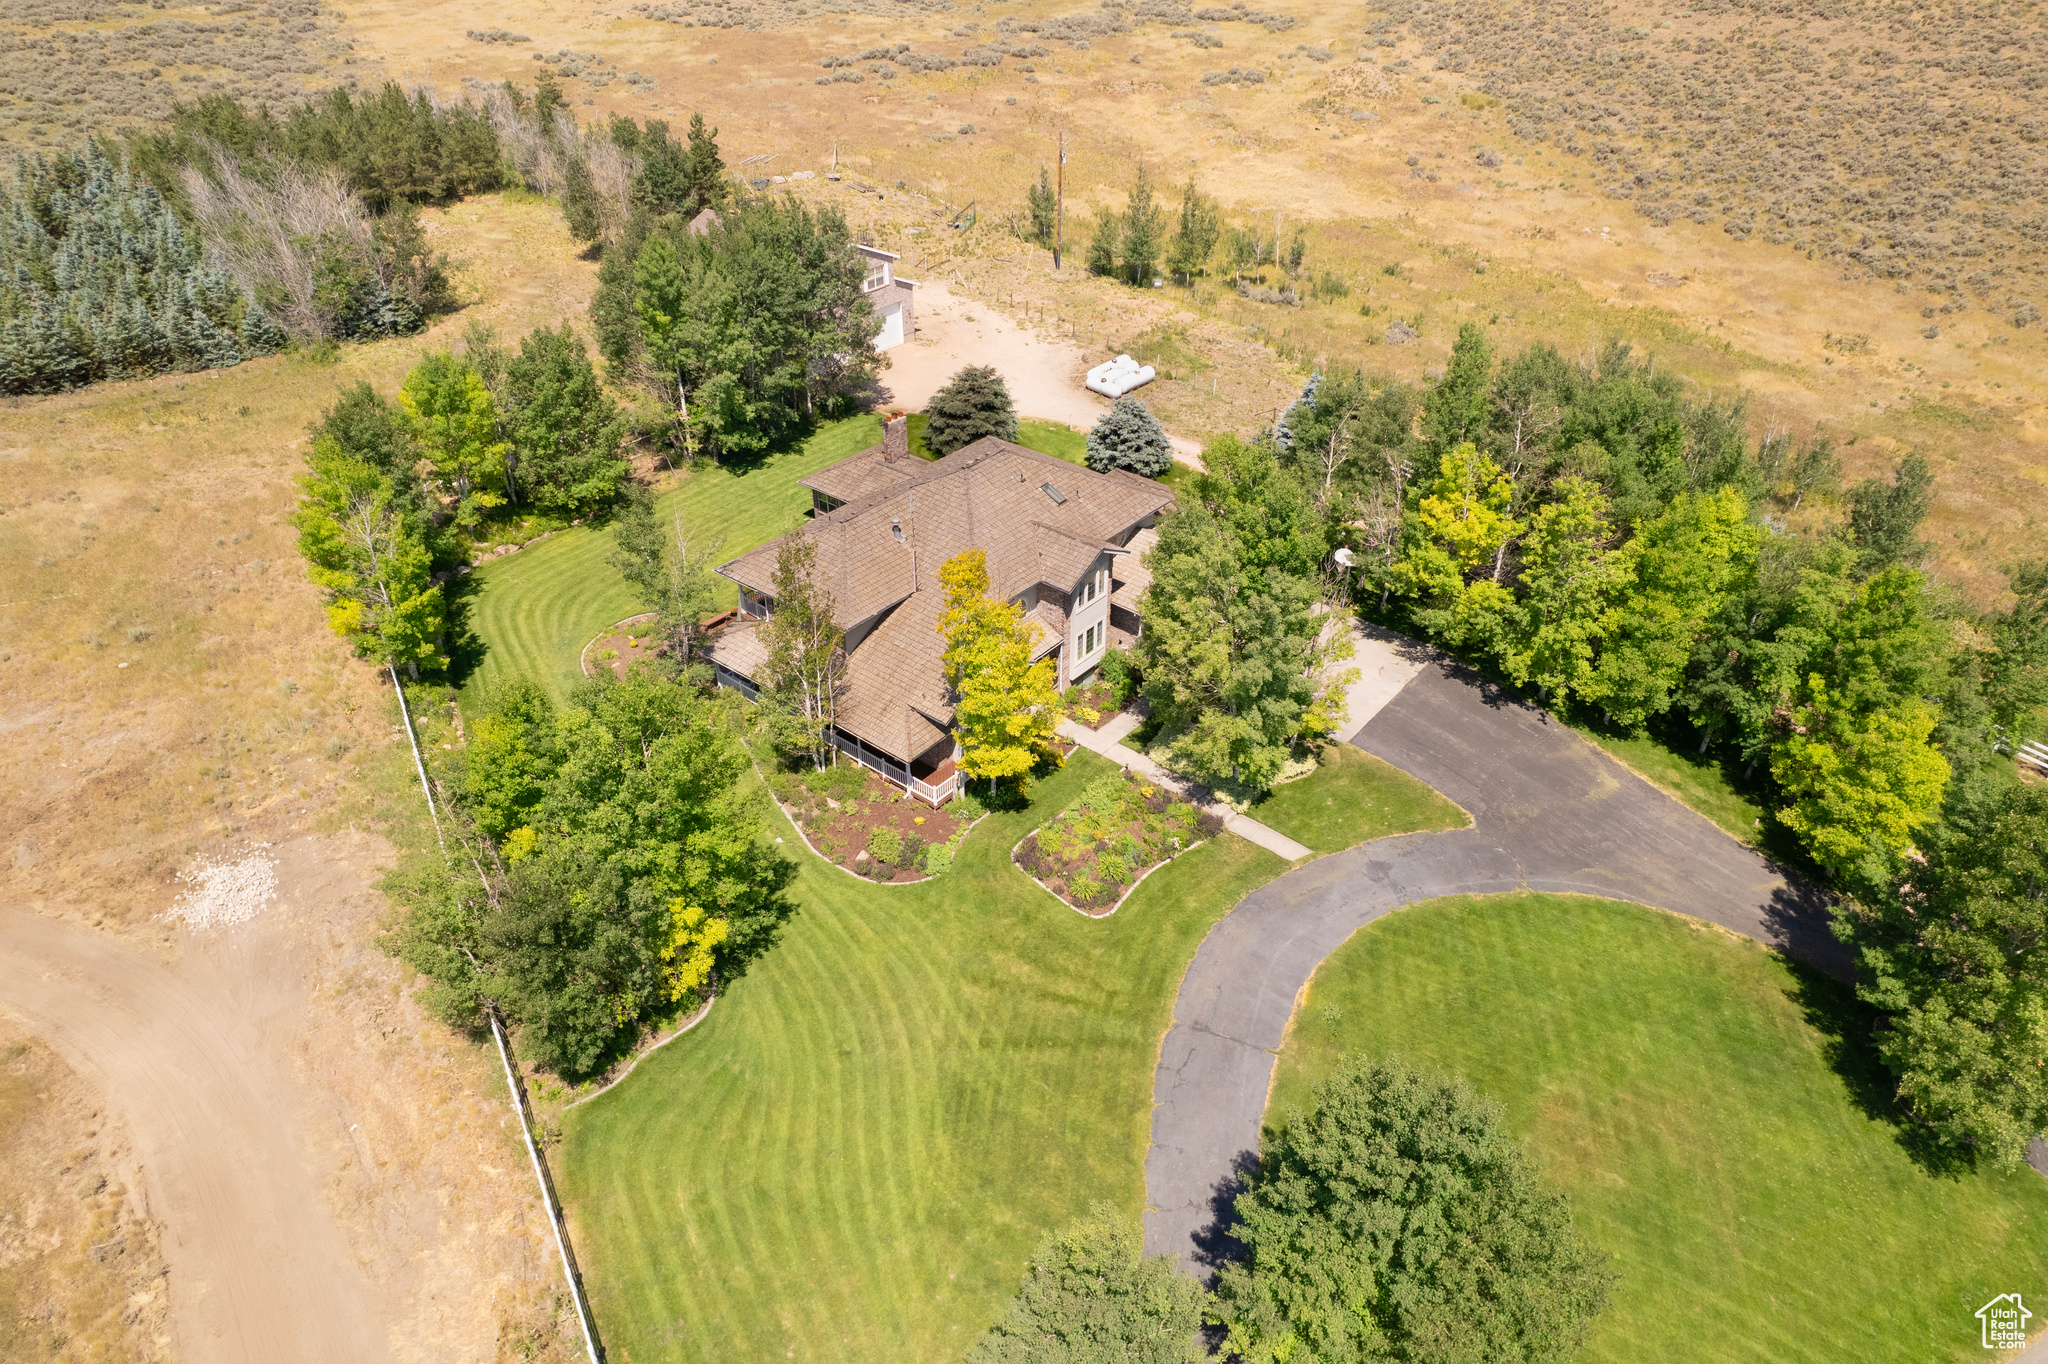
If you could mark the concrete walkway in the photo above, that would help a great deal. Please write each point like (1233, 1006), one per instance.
(1550, 812)
(1107, 742)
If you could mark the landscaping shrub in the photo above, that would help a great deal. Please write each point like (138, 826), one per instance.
(1117, 829)
(1120, 671)
(938, 858)
(885, 845)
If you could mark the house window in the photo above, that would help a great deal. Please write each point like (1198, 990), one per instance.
(1091, 640)
(878, 275)
(1090, 589)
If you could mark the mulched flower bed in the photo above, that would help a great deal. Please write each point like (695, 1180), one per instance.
(1099, 697)
(624, 647)
(1121, 827)
(859, 821)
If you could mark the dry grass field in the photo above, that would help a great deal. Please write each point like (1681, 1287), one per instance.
(81, 1278)
(1534, 248)
(72, 67)
(169, 689)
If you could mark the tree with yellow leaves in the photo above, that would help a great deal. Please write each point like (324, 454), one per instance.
(1457, 549)
(1006, 707)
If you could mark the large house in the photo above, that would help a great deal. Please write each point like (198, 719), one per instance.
(1063, 542)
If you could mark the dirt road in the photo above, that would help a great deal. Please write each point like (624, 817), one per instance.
(189, 1055)
(334, 1176)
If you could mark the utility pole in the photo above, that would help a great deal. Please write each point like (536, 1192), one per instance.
(1059, 212)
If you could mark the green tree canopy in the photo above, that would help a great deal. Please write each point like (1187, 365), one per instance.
(1954, 958)
(366, 547)
(638, 861)
(1144, 232)
(1092, 1296)
(1235, 659)
(751, 324)
(454, 421)
(1397, 1220)
(566, 433)
(974, 403)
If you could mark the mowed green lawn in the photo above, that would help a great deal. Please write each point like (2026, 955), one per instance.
(1353, 797)
(535, 610)
(1704, 1106)
(854, 1155)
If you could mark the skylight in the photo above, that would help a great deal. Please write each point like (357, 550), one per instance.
(1054, 493)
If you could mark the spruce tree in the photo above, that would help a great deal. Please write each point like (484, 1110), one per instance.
(579, 203)
(1103, 247)
(1044, 207)
(1129, 437)
(974, 403)
(703, 170)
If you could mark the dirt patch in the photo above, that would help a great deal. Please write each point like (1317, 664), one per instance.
(856, 820)
(1093, 853)
(81, 1274)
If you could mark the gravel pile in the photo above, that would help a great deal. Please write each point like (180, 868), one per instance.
(225, 893)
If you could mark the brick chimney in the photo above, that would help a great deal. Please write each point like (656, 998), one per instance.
(896, 439)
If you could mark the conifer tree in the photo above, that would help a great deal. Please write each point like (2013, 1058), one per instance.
(974, 403)
(1106, 244)
(1043, 205)
(1129, 437)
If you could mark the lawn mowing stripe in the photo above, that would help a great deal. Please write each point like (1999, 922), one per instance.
(1709, 1140)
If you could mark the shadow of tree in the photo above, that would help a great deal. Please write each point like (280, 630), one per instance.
(1847, 1027)
(1216, 1244)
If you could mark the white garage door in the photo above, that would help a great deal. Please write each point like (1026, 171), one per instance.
(892, 328)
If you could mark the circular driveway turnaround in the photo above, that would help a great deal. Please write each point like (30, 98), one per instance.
(1550, 812)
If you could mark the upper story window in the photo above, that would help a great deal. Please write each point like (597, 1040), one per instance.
(1091, 588)
(878, 275)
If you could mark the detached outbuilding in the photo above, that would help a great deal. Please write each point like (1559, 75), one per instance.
(891, 297)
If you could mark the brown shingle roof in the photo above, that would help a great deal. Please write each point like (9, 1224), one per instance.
(988, 496)
(872, 470)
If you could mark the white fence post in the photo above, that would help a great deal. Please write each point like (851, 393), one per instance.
(547, 1194)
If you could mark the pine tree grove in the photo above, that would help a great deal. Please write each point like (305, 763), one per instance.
(99, 279)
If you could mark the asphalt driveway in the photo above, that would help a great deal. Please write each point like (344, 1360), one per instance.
(1550, 812)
